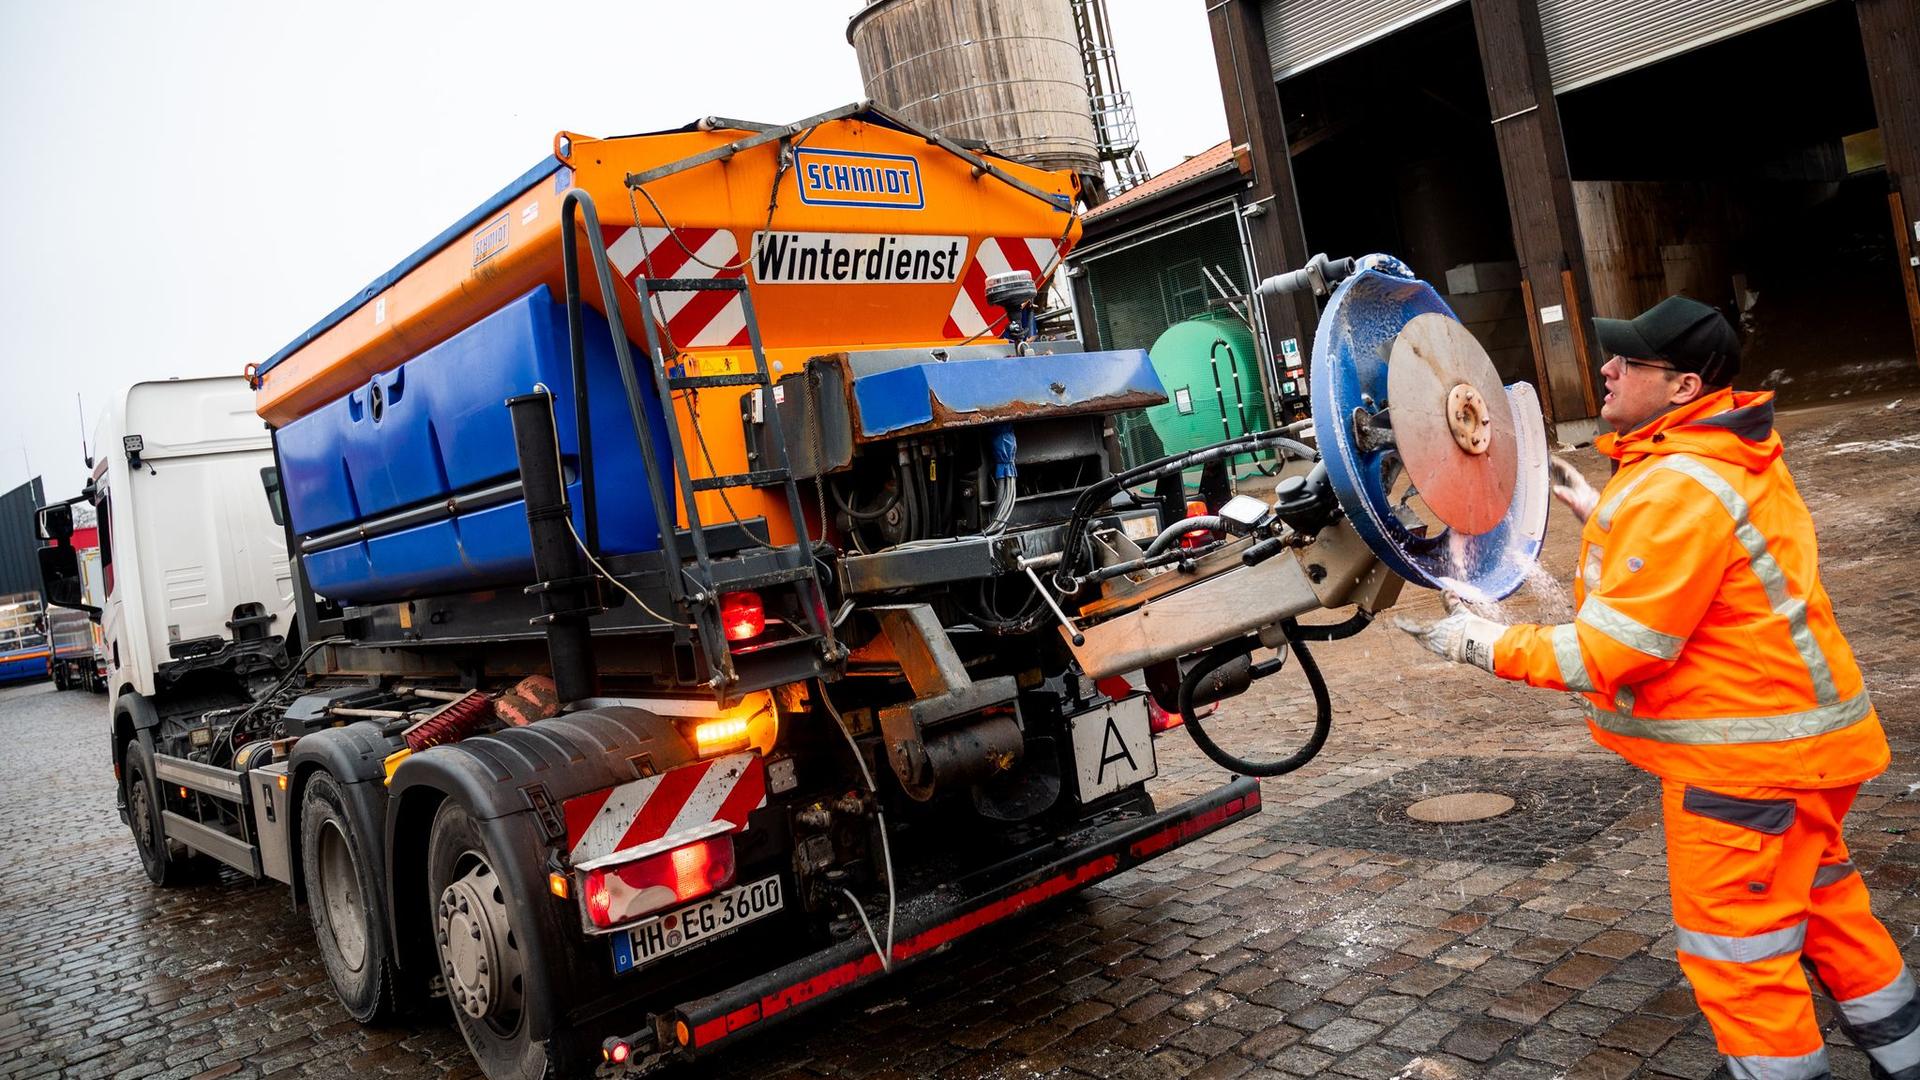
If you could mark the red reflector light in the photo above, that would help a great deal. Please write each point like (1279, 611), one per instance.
(1158, 719)
(622, 893)
(1193, 538)
(743, 615)
(619, 1052)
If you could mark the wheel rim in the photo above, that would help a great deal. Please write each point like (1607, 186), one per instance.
(479, 953)
(340, 897)
(140, 810)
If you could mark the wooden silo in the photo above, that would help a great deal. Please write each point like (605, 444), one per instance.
(1008, 73)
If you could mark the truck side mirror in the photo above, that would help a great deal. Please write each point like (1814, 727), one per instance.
(276, 494)
(60, 578)
(56, 522)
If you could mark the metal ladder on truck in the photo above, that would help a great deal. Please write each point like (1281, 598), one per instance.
(697, 578)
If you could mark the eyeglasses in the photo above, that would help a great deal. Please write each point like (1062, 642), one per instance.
(1629, 362)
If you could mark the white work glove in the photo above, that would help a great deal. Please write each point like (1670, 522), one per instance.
(1573, 490)
(1462, 637)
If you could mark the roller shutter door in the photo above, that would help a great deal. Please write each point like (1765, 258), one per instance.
(1586, 40)
(1304, 33)
(1591, 40)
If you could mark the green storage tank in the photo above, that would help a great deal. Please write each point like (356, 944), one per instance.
(1211, 373)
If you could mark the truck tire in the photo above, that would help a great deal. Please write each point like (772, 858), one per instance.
(167, 863)
(479, 953)
(58, 670)
(344, 901)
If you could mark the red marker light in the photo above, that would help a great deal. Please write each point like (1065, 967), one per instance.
(1194, 538)
(742, 615)
(599, 898)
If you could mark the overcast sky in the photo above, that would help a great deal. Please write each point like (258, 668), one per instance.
(189, 185)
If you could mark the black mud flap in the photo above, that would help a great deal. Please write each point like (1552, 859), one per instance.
(696, 1028)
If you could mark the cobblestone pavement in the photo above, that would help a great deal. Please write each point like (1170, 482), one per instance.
(1329, 936)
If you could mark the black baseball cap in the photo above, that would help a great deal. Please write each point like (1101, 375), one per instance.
(1685, 333)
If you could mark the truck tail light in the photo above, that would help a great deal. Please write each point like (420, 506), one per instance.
(743, 615)
(719, 736)
(627, 891)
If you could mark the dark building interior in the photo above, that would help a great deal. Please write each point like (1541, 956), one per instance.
(1747, 173)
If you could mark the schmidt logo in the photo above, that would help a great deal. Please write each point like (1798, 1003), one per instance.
(845, 178)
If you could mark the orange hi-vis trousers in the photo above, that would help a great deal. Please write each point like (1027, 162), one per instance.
(1761, 880)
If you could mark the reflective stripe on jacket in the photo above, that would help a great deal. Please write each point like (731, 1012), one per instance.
(1704, 645)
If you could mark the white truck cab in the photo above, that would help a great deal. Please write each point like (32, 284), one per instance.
(192, 562)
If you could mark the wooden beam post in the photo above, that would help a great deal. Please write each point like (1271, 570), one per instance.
(1254, 121)
(1546, 230)
(1890, 37)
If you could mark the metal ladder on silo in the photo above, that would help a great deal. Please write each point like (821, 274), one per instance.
(696, 583)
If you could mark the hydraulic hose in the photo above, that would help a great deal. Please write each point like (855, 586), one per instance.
(1172, 533)
(1095, 496)
(1339, 631)
(846, 507)
(1322, 706)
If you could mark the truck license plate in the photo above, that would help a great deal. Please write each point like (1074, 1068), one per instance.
(1113, 747)
(695, 923)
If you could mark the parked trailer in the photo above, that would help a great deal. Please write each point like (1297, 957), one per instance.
(73, 662)
(669, 650)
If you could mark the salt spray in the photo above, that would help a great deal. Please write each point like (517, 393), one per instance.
(1546, 599)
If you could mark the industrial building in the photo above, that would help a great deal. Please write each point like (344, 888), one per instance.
(1556, 160)
(1165, 266)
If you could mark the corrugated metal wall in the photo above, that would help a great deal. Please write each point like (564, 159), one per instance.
(1304, 33)
(1591, 40)
(19, 566)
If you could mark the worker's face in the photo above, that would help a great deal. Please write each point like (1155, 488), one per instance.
(1639, 390)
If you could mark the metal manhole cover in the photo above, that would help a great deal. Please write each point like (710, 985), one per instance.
(1558, 802)
(1466, 806)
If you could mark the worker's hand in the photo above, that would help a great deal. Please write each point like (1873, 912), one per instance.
(1462, 637)
(1572, 489)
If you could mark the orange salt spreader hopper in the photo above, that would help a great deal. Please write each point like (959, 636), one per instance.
(852, 229)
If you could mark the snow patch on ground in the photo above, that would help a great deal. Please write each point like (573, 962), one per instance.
(1877, 446)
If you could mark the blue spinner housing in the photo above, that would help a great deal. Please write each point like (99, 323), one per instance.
(1350, 353)
(437, 427)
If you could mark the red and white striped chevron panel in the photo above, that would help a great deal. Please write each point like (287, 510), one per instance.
(679, 801)
(971, 313)
(689, 318)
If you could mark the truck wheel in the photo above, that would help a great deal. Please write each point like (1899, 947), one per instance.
(166, 863)
(349, 919)
(480, 955)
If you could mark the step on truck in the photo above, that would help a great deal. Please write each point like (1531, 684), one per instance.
(709, 594)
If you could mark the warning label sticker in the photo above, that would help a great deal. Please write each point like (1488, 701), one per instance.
(789, 258)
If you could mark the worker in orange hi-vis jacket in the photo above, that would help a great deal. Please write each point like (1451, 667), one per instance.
(1706, 652)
